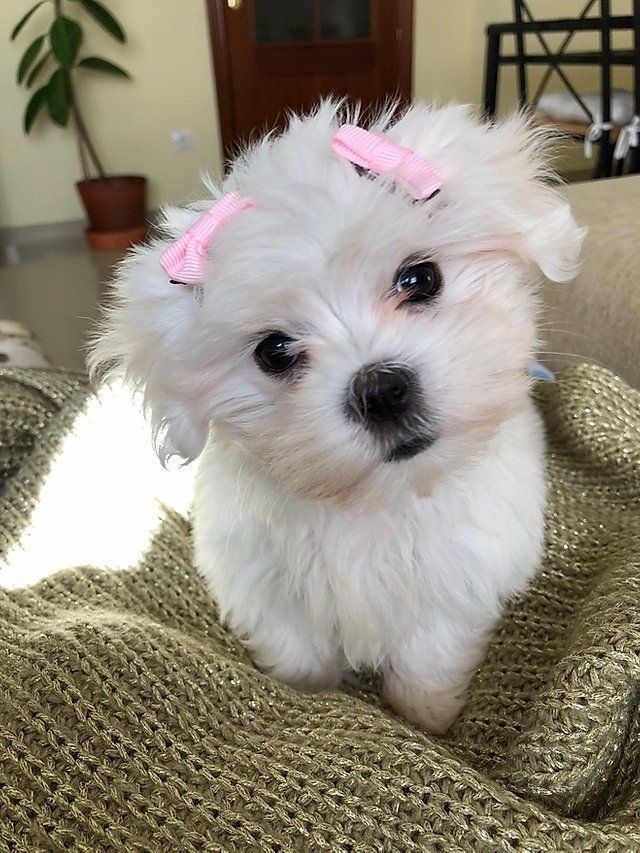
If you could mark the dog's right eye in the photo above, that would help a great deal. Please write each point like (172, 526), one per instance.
(274, 353)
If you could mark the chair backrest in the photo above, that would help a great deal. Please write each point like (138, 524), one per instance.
(525, 22)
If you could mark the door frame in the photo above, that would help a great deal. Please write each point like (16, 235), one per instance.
(221, 64)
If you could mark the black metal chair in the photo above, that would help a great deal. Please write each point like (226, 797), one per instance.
(621, 141)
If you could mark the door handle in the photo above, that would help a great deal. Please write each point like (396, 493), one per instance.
(236, 5)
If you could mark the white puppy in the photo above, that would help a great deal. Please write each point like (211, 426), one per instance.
(353, 374)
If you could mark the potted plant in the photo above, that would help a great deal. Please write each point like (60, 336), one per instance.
(115, 204)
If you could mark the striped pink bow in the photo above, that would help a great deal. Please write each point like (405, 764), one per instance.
(185, 260)
(377, 152)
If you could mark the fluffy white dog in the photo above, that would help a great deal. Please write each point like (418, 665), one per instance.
(352, 372)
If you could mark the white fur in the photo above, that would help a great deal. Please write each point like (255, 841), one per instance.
(321, 555)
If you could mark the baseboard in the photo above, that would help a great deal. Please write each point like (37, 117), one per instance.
(31, 242)
(35, 242)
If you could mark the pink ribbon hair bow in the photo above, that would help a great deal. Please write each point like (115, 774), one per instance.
(185, 260)
(376, 152)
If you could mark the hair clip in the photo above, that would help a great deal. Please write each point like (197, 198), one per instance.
(185, 260)
(375, 152)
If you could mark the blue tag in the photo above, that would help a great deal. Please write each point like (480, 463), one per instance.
(539, 371)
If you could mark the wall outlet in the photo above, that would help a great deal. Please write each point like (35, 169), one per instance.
(182, 140)
(11, 254)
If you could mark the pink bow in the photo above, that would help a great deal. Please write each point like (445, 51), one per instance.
(185, 260)
(377, 152)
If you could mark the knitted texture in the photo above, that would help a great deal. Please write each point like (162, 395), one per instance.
(130, 720)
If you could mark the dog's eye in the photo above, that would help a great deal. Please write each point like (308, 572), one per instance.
(421, 282)
(274, 354)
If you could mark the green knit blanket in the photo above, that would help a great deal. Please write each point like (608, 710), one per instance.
(131, 720)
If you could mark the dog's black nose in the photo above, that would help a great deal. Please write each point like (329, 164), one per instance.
(382, 393)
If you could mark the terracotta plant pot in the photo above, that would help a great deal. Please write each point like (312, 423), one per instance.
(116, 206)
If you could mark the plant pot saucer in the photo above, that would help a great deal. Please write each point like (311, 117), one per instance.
(110, 241)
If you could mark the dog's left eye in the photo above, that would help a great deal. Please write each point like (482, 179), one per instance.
(420, 282)
(274, 353)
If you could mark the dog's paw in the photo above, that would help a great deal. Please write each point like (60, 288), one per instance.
(432, 710)
(305, 670)
(310, 680)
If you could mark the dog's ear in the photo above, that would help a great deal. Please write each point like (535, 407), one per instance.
(147, 338)
(546, 231)
(549, 235)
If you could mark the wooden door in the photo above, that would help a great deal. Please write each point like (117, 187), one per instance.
(271, 56)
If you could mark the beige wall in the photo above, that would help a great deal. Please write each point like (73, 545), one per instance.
(168, 54)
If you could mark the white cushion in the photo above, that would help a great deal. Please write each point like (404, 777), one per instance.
(564, 107)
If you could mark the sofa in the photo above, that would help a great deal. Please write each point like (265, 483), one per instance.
(596, 317)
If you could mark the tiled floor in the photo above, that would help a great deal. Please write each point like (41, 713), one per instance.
(55, 292)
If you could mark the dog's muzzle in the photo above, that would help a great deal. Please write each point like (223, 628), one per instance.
(386, 399)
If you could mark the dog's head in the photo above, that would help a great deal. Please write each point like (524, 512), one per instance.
(346, 336)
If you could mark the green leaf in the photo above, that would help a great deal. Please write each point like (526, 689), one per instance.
(29, 57)
(98, 64)
(66, 36)
(37, 68)
(34, 106)
(104, 17)
(24, 20)
(59, 96)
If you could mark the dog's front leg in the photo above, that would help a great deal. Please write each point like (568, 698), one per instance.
(250, 581)
(282, 644)
(426, 678)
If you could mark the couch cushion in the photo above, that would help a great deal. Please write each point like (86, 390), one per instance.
(597, 316)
